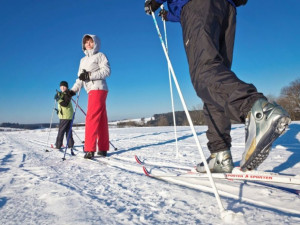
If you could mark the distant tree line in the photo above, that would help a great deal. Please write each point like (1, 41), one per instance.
(289, 99)
(166, 119)
(33, 126)
(130, 124)
(26, 126)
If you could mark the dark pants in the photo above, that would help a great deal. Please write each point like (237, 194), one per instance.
(208, 33)
(64, 128)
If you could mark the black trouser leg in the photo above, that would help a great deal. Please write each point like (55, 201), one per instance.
(61, 131)
(71, 140)
(64, 127)
(219, 126)
(208, 33)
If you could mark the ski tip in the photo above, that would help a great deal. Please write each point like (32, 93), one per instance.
(146, 172)
(138, 160)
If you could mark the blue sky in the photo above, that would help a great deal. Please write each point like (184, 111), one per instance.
(40, 45)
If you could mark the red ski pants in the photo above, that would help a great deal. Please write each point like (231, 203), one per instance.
(96, 125)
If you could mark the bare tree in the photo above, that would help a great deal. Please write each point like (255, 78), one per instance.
(290, 99)
(162, 121)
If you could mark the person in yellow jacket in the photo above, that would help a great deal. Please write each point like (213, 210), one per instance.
(65, 114)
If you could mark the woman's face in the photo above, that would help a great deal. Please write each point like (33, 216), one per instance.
(89, 44)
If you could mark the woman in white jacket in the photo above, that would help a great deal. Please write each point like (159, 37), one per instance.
(93, 70)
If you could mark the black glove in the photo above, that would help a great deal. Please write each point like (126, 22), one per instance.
(71, 93)
(240, 2)
(151, 6)
(56, 110)
(163, 14)
(84, 76)
(65, 100)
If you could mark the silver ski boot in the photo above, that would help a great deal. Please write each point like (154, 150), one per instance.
(220, 162)
(264, 123)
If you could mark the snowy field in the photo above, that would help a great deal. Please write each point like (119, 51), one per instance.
(38, 187)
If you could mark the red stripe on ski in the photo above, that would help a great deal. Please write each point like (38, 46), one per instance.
(138, 160)
(146, 172)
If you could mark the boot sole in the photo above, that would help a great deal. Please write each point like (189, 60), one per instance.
(264, 146)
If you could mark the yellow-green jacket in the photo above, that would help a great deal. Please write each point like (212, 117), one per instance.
(65, 108)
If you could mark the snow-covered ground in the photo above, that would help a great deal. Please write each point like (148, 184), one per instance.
(37, 187)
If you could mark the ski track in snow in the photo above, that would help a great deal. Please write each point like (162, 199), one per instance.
(40, 188)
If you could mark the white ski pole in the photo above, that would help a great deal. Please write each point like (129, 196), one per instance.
(50, 124)
(221, 207)
(77, 136)
(171, 88)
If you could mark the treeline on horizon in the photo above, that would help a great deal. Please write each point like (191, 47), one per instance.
(31, 126)
(289, 99)
(166, 119)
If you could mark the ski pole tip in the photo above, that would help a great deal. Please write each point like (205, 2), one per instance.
(230, 217)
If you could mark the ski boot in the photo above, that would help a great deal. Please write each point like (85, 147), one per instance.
(89, 155)
(264, 124)
(102, 153)
(220, 162)
(72, 152)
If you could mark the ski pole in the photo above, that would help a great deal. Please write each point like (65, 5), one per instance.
(85, 115)
(77, 136)
(79, 107)
(70, 130)
(221, 207)
(171, 88)
(50, 124)
(113, 146)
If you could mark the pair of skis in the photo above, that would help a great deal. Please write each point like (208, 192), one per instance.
(60, 149)
(157, 170)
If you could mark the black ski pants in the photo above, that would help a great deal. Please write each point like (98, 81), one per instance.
(64, 128)
(208, 28)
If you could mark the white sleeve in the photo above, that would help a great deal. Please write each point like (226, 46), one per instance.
(104, 69)
(78, 84)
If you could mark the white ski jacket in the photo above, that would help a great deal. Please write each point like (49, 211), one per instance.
(96, 63)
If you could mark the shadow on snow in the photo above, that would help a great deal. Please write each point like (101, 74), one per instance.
(291, 143)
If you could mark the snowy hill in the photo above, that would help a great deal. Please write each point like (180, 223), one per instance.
(138, 121)
(37, 187)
